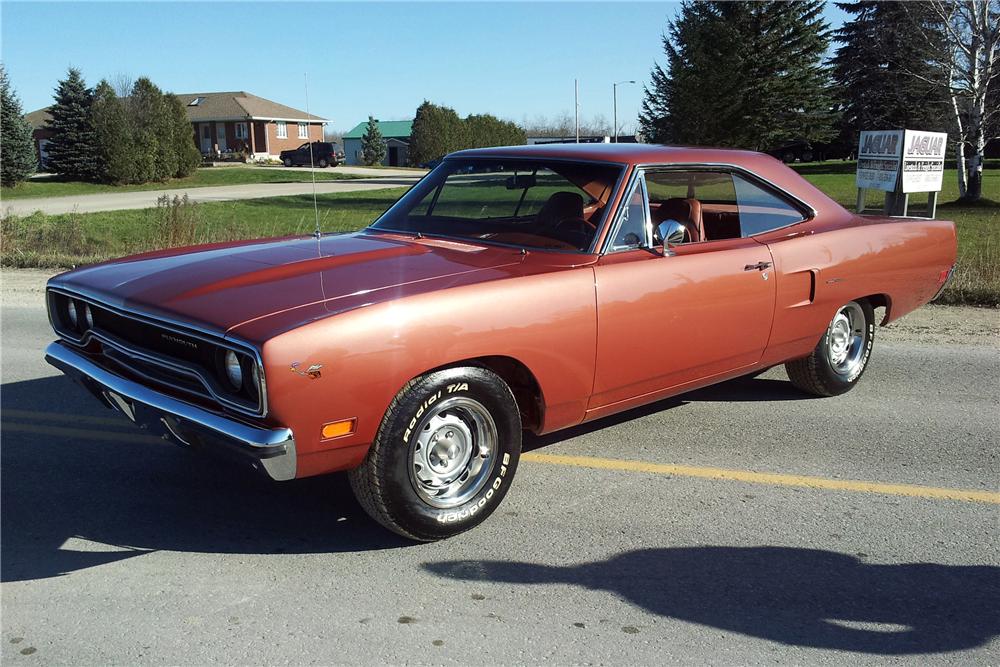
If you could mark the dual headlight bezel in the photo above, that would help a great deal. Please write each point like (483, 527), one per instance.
(239, 372)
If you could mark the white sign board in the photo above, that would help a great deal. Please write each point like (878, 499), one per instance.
(879, 155)
(923, 160)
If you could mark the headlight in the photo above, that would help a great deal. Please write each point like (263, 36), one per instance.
(88, 317)
(234, 372)
(74, 318)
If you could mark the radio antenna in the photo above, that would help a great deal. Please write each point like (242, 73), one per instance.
(312, 163)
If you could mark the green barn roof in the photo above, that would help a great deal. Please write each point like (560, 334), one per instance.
(390, 129)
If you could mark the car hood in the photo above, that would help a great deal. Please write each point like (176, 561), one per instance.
(220, 287)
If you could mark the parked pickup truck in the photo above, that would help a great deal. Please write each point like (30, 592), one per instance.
(529, 288)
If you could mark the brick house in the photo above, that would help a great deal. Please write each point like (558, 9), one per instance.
(231, 122)
(225, 122)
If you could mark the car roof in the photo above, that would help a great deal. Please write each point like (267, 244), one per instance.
(620, 153)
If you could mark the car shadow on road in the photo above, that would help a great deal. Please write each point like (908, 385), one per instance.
(743, 389)
(799, 597)
(73, 499)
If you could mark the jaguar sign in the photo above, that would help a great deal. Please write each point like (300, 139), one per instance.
(901, 160)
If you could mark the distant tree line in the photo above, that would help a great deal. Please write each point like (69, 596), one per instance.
(564, 125)
(438, 130)
(756, 75)
(129, 133)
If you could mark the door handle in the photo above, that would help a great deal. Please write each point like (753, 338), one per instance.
(759, 266)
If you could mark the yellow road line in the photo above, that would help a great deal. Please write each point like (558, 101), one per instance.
(776, 479)
(62, 416)
(87, 434)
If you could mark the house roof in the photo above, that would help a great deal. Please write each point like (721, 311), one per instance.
(39, 118)
(239, 105)
(390, 129)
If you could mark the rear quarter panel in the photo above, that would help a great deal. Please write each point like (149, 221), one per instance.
(546, 321)
(823, 268)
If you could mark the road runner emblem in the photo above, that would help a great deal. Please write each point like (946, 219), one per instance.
(312, 372)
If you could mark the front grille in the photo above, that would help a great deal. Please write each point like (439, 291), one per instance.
(160, 353)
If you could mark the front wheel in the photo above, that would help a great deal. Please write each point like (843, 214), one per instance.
(287, 162)
(841, 356)
(444, 456)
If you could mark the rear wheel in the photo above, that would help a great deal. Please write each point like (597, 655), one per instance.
(323, 164)
(444, 455)
(841, 356)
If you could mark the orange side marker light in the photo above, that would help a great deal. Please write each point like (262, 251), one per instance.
(339, 429)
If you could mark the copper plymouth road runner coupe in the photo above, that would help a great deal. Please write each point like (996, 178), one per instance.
(534, 288)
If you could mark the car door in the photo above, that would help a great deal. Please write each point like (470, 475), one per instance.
(669, 320)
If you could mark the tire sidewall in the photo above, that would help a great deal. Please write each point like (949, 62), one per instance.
(835, 381)
(400, 430)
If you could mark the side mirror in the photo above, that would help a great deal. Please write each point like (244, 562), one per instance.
(672, 232)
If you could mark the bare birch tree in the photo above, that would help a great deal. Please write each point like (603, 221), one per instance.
(962, 40)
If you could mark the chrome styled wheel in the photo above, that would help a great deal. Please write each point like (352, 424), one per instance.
(841, 355)
(451, 457)
(847, 339)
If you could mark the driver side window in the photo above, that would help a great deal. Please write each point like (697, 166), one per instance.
(633, 228)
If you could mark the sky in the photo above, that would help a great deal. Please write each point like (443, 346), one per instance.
(515, 60)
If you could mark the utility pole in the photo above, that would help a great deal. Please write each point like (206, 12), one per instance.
(576, 101)
(614, 94)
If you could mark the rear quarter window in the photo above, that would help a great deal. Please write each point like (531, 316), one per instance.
(761, 210)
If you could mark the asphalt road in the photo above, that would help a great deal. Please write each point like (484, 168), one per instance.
(114, 201)
(116, 550)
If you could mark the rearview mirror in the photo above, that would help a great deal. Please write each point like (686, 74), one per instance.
(672, 232)
(522, 182)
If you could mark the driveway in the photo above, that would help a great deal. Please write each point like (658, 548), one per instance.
(115, 201)
(740, 524)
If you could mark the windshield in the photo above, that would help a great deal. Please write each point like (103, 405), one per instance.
(540, 204)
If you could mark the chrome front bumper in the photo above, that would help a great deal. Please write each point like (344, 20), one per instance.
(270, 449)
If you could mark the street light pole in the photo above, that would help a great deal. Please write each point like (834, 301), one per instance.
(614, 95)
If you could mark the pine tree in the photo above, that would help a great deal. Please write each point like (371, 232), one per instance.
(744, 74)
(17, 148)
(186, 153)
(881, 74)
(372, 143)
(72, 151)
(113, 136)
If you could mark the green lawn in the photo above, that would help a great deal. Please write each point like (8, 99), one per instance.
(65, 240)
(51, 186)
(52, 241)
